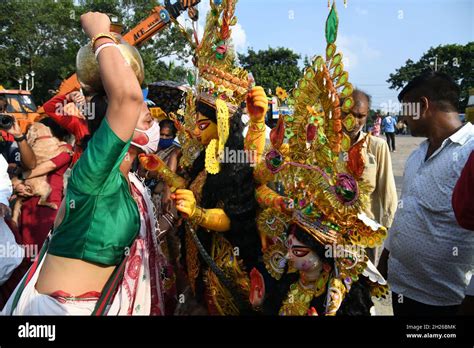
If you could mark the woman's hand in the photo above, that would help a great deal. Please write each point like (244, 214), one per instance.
(15, 130)
(185, 202)
(23, 190)
(94, 23)
(257, 104)
(5, 211)
(76, 97)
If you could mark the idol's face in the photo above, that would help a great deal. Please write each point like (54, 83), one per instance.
(300, 256)
(205, 129)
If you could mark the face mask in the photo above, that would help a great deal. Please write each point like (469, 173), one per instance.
(165, 143)
(147, 140)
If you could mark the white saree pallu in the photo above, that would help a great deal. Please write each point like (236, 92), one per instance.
(11, 254)
(139, 290)
(33, 303)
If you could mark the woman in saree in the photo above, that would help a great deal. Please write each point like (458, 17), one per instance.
(102, 257)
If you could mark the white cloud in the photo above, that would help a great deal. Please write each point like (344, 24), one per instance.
(239, 37)
(356, 50)
(362, 12)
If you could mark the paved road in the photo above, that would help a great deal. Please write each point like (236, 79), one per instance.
(405, 144)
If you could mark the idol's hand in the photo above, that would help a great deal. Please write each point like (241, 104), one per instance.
(94, 23)
(185, 202)
(154, 163)
(257, 104)
(257, 288)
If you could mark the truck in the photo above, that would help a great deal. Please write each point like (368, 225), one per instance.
(21, 105)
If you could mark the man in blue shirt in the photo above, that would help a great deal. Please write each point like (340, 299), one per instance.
(388, 126)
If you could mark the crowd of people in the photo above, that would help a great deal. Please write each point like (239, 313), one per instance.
(127, 220)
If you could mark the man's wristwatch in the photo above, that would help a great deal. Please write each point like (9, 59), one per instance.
(20, 138)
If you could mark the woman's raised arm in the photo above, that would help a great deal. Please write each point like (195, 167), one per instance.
(120, 83)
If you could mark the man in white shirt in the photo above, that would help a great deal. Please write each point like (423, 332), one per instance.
(430, 257)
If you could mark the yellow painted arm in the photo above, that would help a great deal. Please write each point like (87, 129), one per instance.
(257, 106)
(254, 142)
(155, 163)
(211, 219)
(267, 198)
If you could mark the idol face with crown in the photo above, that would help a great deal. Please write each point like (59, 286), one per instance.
(315, 234)
(221, 244)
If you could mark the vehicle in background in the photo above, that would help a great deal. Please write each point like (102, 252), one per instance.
(21, 105)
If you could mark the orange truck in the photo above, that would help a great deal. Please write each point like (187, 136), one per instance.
(21, 105)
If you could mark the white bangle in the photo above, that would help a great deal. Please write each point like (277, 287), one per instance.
(101, 47)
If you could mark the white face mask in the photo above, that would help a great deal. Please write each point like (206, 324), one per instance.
(148, 140)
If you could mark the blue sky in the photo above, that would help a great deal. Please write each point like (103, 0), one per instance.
(376, 36)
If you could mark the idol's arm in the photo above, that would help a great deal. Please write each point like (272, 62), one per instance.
(267, 198)
(257, 106)
(212, 219)
(154, 163)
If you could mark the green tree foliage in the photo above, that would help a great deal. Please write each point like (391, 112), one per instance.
(455, 60)
(44, 36)
(168, 43)
(272, 68)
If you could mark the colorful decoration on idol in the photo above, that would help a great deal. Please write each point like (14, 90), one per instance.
(219, 83)
(323, 196)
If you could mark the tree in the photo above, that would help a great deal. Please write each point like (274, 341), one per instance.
(455, 60)
(168, 43)
(272, 68)
(38, 36)
(44, 37)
